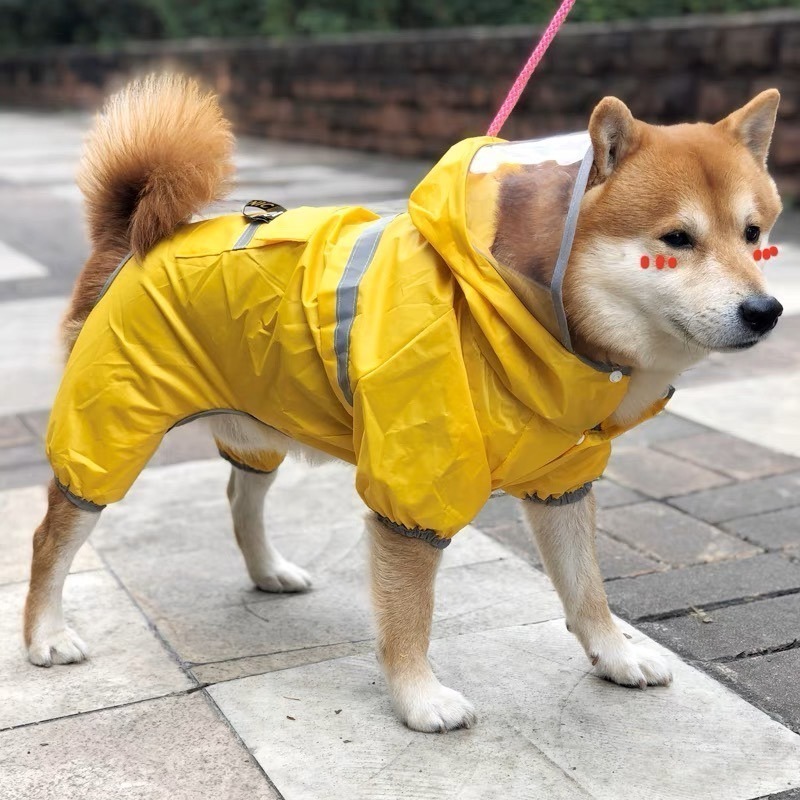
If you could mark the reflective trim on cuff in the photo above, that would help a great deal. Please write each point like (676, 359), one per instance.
(562, 500)
(84, 505)
(245, 467)
(425, 534)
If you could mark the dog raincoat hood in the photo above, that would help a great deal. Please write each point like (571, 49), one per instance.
(394, 343)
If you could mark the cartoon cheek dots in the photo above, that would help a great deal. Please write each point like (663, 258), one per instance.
(767, 253)
(659, 261)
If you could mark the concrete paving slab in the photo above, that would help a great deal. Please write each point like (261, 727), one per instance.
(776, 529)
(127, 662)
(15, 265)
(659, 475)
(681, 589)
(668, 535)
(770, 680)
(170, 542)
(546, 728)
(175, 748)
(21, 511)
(30, 356)
(14, 432)
(610, 494)
(742, 499)
(735, 631)
(763, 410)
(728, 454)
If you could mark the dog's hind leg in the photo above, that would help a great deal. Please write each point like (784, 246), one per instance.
(566, 539)
(403, 571)
(255, 453)
(268, 569)
(56, 541)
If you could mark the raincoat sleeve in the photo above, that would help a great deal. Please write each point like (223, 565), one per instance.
(569, 478)
(420, 458)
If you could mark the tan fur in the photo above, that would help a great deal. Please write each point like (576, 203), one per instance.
(402, 573)
(56, 528)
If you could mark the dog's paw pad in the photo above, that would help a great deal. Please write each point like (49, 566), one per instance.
(284, 577)
(633, 665)
(437, 710)
(57, 647)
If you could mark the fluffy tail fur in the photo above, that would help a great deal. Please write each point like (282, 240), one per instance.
(159, 152)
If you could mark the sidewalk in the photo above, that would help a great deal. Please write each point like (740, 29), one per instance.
(201, 686)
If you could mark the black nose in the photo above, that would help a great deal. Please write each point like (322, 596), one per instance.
(760, 312)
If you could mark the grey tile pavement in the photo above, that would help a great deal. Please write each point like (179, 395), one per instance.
(772, 530)
(670, 536)
(174, 748)
(737, 631)
(679, 590)
(771, 678)
(742, 499)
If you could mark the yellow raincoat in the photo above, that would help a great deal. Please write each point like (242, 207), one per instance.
(390, 343)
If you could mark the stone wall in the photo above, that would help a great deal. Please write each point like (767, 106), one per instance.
(413, 93)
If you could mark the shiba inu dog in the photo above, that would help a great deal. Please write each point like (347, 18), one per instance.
(499, 334)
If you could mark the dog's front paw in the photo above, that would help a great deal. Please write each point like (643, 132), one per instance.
(62, 646)
(628, 664)
(434, 708)
(283, 576)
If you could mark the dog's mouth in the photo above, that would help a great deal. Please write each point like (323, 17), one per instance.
(720, 346)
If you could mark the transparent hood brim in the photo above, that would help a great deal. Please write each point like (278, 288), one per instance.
(558, 157)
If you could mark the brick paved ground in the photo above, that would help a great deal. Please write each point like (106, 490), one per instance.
(699, 534)
(699, 541)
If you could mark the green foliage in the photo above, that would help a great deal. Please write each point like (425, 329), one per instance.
(31, 23)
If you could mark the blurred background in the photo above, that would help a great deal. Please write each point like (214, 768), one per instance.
(43, 22)
(408, 77)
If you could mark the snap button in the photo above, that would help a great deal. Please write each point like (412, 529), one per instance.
(581, 440)
(615, 376)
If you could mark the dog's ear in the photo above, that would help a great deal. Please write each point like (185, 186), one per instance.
(753, 124)
(613, 132)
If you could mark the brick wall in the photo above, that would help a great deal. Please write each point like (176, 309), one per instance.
(414, 93)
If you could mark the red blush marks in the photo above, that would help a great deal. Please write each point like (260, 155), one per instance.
(672, 262)
(773, 251)
(757, 255)
(644, 262)
(766, 254)
(660, 261)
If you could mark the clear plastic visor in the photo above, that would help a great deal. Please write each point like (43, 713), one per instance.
(522, 203)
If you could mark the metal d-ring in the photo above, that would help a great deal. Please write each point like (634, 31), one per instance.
(262, 210)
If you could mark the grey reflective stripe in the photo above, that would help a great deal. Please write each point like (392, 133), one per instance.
(113, 275)
(563, 500)
(557, 283)
(242, 466)
(83, 505)
(426, 534)
(247, 236)
(347, 296)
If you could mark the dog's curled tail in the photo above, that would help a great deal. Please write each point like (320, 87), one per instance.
(159, 152)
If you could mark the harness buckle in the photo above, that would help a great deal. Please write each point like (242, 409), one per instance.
(262, 210)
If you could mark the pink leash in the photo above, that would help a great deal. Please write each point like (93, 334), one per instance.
(522, 79)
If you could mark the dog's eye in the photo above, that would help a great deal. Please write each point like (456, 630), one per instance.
(677, 239)
(752, 233)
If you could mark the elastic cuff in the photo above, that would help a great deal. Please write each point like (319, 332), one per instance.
(84, 505)
(562, 500)
(244, 467)
(425, 534)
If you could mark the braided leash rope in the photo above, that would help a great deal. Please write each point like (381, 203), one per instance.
(524, 76)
